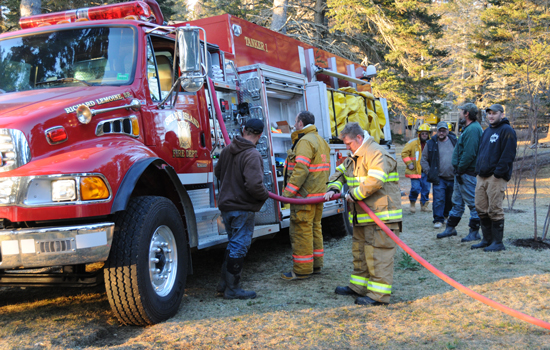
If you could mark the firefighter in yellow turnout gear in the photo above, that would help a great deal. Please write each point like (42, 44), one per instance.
(411, 155)
(306, 174)
(371, 175)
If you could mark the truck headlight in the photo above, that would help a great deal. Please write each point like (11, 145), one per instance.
(63, 190)
(57, 189)
(8, 189)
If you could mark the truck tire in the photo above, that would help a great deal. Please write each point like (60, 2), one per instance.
(337, 226)
(146, 271)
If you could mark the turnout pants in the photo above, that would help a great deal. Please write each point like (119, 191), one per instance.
(306, 237)
(373, 252)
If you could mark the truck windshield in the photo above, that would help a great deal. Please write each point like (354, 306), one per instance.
(83, 56)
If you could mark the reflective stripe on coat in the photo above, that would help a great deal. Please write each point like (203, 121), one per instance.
(412, 153)
(372, 177)
(307, 165)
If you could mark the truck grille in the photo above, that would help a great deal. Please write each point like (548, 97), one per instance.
(14, 149)
(57, 246)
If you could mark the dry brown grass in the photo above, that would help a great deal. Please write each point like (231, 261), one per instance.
(425, 313)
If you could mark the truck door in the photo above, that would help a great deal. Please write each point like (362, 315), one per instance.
(176, 132)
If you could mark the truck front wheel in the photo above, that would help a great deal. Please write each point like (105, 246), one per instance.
(146, 271)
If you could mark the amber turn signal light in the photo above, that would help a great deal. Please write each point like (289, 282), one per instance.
(135, 126)
(92, 188)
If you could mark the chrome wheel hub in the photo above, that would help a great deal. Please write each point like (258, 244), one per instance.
(163, 260)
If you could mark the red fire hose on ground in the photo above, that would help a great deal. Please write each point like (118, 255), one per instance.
(426, 264)
(397, 240)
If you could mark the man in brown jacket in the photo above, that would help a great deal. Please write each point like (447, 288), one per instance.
(242, 193)
(372, 177)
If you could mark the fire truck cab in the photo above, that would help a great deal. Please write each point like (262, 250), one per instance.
(111, 123)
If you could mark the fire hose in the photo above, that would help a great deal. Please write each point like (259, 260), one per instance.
(461, 288)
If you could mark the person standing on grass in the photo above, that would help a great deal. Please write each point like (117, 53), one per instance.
(464, 163)
(242, 193)
(411, 154)
(372, 177)
(437, 165)
(494, 169)
(306, 174)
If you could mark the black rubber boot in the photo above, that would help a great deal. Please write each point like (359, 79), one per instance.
(368, 301)
(233, 280)
(487, 231)
(450, 228)
(346, 291)
(498, 233)
(473, 235)
(221, 284)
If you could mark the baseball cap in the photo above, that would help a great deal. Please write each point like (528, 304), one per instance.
(495, 108)
(255, 126)
(469, 107)
(442, 125)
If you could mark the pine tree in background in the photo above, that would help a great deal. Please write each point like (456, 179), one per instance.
(10, 18)
(513, 42)
(462, 76)
(255, 12)
(396, 36)
(168, 8)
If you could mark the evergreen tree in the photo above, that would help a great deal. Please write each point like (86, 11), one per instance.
(394, 35)
(513, 43)
(397, 36)
(462, 76)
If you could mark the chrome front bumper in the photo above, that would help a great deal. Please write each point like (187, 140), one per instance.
(55, 246)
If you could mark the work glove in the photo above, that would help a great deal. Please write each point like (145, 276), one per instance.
(459, 179)
(410, 166)
(350, 198)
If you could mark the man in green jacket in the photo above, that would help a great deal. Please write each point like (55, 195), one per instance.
(464, 162)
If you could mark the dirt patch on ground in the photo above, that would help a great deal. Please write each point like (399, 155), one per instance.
(531, 243)
(424, 313)
(514, 211)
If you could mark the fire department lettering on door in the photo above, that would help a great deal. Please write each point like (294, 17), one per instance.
(184, 153)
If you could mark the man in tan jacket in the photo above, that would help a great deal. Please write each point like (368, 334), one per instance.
(372, 177)
(307, 169)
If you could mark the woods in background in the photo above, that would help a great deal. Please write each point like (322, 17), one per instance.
(426, 51)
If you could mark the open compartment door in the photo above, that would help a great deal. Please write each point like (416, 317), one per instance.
(317, 103)
(387, 127)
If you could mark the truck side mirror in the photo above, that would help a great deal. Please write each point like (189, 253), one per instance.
(193, 71)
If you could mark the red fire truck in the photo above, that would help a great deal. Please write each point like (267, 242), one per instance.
(110, 126)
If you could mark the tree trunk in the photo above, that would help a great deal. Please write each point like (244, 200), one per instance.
(320, 9)
(30, 7)
(279, 16)
(546, 224)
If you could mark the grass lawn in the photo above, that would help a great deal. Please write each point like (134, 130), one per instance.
(425, 312)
